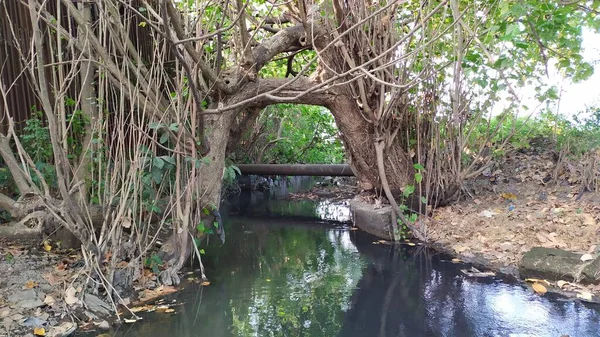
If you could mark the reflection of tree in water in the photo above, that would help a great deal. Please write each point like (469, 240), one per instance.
(403, 293)
(301, 280)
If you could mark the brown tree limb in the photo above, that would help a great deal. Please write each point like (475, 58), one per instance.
(179, 32)
(13, 166)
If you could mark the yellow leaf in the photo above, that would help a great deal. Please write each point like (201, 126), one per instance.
(30, 285)
(39, 331)
(538, 288)
(142, 24)
(138, 309)
(205, 284)
(411, 244)
(47, 246)
(561, 283)
(170, 310)
(455, 260)
(537, 280)
(268, 280)
(460, 249)
(509, 196)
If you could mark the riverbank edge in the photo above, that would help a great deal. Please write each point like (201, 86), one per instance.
(377, 221)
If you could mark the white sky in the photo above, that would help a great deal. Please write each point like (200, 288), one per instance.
(575, 96)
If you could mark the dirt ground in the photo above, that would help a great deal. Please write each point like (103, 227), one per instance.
(32, 290)
(516, 206)
(42, 291)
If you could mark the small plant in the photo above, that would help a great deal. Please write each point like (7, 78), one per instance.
(36, 138)
(36, 142)
(230, 173)
(153, 262)
(402, 232)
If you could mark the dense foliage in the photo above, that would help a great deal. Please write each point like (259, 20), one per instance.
(292, 134)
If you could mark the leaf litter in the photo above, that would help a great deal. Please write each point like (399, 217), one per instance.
(503, 219)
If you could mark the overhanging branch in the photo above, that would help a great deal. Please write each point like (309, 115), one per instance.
(265, 92)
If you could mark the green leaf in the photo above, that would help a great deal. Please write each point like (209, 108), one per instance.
(155, 125)
(418, 167)
(158, 163)
(168, 159)
(164, 138)
(408, 190)
(202, 251)
(418, 177)
(413, 217)
(157, 176)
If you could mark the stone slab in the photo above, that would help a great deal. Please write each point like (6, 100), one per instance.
(377, 222)
(557, 264)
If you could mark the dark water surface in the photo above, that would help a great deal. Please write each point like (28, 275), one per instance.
(283, 273)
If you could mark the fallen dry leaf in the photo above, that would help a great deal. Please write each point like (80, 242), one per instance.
(536, 280)
(49, 300)
(487, 214)
(70, 297)
(142, 308)
(561, 283)
(509, 196)
(543, 238)
(455, 260)
(50, 278)
(205, 284)
(160, 291)
(39, 331)
(584, 295)
(538, 288)
(61, 266)
(460, 249)
(170, 310)
(47, 246)
(588, 219)
(586, 257)
(30, 285)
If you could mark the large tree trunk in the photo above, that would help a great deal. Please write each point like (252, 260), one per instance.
(359, 136)
(179, 247)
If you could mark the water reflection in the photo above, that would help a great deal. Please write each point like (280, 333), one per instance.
(403, 293)
(287, 276)
(270, 205)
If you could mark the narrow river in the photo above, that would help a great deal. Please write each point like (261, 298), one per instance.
(283, 272)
